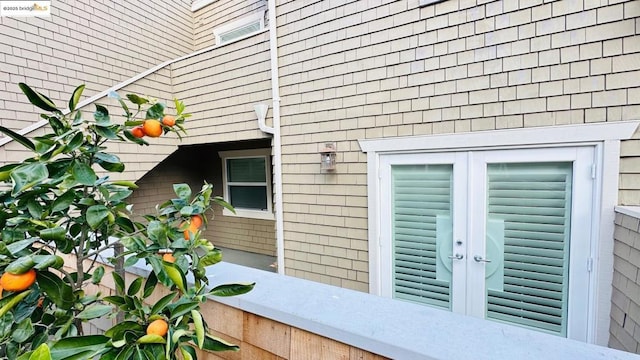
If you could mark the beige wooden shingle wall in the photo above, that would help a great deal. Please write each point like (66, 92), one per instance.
(138, 159)
(220, 88)
(220, 13)
(366, 69)
(98, 43)
(194, 166)
(625, 304)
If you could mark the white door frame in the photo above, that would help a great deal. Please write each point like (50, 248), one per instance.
(605, 136)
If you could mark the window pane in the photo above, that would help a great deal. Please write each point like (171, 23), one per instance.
(248, 197)
(528, 223)
(422, 233)
(246, 170)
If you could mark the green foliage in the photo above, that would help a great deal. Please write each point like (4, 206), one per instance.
(62, 201)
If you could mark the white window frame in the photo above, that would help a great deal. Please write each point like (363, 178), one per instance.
(243, 154)
(221, 30)
(605, 137)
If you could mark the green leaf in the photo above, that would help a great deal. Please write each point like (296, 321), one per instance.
(94, 311)
(129, 184)
(119, 281)
(156, 111)
(176, 275)
(57, 290)
(137, 99)
(101, 115)
(96, 214)
(186, 210)
(179, 106)
(106, 157)
(5, 171)
(188, 353)
(198, 325)
(179, 309)
(35, 209)
(62, 202)
(53, 234)
(213, 343)
(231, 289)
(83, 174)
(71, 348)
(211, 258)
(19, 138)
(97, 275)
(20, 265)
(106, 132)
(130, 261)
(41, 353)
(38, 99)
(45, 261)
(9, 302)
(151, 339)
(15, 247)
(75, 97)
(162, 303)
(183, 191)
(135, 286)
(23, 331)
(113, 167)
(150, 285)
(75, 142)
(28, 175)
(117, 331)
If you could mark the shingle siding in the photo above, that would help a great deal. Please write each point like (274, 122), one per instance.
(368, 69)
(95, 43)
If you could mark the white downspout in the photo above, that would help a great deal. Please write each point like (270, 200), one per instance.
(277, 150)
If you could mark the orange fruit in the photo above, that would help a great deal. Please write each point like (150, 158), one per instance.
(151, 127)
(168, 120)
(197, 220)
(194, 224)
(138, 132)
(18, 282)
(168, 257)
(158, 327)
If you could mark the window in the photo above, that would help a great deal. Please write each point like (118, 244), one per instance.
(246, 177)
(239, 28)
(484, 225)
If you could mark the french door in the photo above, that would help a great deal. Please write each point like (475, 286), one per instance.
(501, 234)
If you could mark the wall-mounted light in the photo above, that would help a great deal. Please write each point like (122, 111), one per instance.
(328, 156)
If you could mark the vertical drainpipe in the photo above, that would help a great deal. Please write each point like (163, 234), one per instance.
(277, 147)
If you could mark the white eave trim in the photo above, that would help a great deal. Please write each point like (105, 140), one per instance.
(199, 4)
(559, 134)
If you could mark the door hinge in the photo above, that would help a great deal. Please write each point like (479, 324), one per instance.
(593, 170)
(589, 264)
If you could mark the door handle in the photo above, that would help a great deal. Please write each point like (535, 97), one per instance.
(479, 258)
(456, 256)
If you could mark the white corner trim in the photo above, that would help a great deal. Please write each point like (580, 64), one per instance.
(199, 4)
(560, 134)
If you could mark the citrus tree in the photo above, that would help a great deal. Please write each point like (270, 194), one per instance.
(61, 203)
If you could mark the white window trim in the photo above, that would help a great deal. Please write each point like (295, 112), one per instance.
(247, 213)
(221, 30)
(605, 136)
(199, 4)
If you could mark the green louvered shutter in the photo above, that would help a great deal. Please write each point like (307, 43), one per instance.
(421, 225)
(533, 202)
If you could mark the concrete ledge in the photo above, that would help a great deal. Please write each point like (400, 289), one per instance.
(392, 328)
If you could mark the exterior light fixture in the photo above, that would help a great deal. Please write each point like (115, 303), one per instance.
(328, 156)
